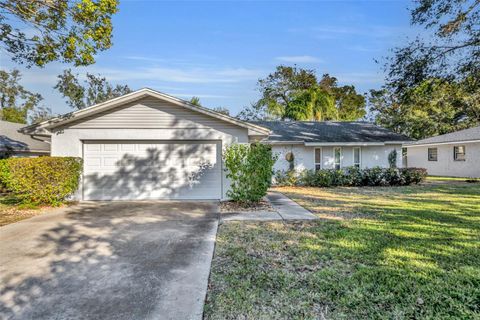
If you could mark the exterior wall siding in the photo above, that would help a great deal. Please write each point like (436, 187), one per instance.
(371, 156)
(145, 119)
(445, 164)
(150, 113)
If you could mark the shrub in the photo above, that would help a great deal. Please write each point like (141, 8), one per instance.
(286, 178)
(250, 170)
(355, 177)
(392, 158)
(42, 180)
(413, 175)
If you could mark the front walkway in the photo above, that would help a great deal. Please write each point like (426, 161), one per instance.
(285, 209)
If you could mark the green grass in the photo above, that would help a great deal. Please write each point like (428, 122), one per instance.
(440, 178)
(376, 253)
(13, 210)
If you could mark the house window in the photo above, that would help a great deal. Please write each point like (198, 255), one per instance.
(432, 154)
(337, 152)
(459, 153)
(356, 157)
(318, 159)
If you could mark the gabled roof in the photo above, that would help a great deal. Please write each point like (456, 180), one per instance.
(133, 96)
(329, 132)
(12, 140)
(470, 135)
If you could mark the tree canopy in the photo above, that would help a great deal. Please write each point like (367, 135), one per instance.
(452, 52)
(71, 31)
(433, 85)
(16, 102)
(292, 93)
(95, 89)
(436, 106)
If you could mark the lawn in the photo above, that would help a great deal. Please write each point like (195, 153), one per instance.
(11, 210)
(376, 253)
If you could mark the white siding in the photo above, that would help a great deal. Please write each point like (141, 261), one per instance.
(371, 156)
(445, 165)
(145, 120)
(150, 113)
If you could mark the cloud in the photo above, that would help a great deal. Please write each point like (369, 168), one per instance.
(299, 59)
(337, 32)
(180, 75)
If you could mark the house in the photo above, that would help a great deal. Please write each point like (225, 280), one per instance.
(16, 144)
(149, 145)
(455, 154)
(332, 145)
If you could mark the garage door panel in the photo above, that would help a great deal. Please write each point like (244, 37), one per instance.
(146, 170)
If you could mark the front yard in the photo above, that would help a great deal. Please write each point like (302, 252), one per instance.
(376, 253)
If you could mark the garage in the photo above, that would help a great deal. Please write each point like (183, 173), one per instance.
(147, 145)
(127, 170)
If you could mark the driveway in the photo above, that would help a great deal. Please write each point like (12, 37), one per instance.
(117, 260)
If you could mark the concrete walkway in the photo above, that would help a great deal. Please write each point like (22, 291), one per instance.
(286, 209)
(289, 209)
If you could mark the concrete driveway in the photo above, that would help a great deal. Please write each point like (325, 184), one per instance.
(117, 260)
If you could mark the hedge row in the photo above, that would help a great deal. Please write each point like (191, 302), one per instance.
(351, 177)
(42, 180)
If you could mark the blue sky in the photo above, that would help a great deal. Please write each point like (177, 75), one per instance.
(217, 50)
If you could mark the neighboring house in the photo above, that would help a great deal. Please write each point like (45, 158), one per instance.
(455, 154)
(16, 144)
(149, 145)
(329, 145)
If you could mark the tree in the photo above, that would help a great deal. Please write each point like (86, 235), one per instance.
(280, 88)
(436, 106)
(195, 101)
(451, 53)
(295, 94)
(222, 110)
(95, 89)
(15, 101)
(254, 112)
(71, 31)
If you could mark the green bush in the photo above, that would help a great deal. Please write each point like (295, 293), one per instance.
(250, 170)
(352, 176)
(42, 180)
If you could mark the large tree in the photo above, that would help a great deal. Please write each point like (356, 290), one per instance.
(435, 106)
(36, 32)
(16, 102)
(450, 51)
(95, 89)
(295, 94)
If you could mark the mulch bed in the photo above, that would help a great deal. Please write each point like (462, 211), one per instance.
(232, 206)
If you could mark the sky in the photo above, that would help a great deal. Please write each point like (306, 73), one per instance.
(217, 50)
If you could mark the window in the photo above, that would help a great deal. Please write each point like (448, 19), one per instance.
(318, 159)
(356, 157)
(459, 153)
(337, 152)
(432, 154)
(404, 158)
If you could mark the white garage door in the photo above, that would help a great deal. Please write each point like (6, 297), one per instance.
(129, 170)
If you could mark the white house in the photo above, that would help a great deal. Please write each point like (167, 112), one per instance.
(149, 145)
(455, 154)
(330, 145)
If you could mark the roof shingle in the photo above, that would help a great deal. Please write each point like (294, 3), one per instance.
(458, 136)
(328, 132)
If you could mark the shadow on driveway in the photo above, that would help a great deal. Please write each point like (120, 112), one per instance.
(117, 260)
